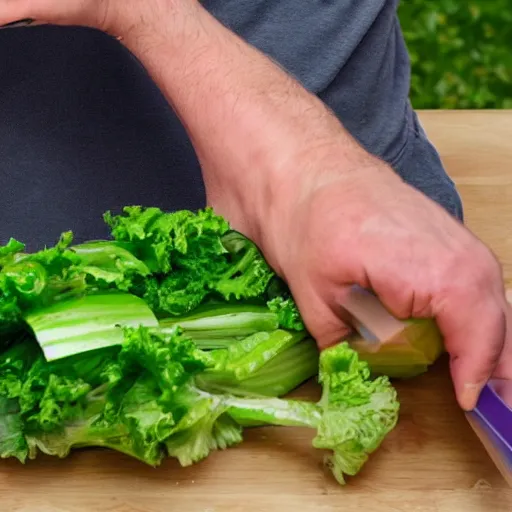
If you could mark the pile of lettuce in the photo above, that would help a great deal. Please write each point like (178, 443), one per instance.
(167, 341)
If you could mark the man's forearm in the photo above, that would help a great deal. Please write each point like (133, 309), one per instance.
(248, 120)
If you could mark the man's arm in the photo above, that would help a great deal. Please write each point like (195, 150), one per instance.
(251, 124)
(283, 170)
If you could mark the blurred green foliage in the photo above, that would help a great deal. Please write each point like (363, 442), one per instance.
(461, 52)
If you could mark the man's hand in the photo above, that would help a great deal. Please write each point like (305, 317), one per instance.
(373, 230)
(285, 172)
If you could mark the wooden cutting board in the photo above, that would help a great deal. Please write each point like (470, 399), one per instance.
(432, 462)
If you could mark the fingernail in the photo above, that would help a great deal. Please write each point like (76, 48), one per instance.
(469, 395)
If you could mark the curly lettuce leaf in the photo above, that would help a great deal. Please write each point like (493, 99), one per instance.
(111, 265)
(12, 438)
(204, 427)
(191, 256)
(129, 398)
(29, 280)
(172, 359)
(357, 412)
(248, 274)
(184, 421)
(15, 363)
(287, 313)
(161, 239)
(178, 293)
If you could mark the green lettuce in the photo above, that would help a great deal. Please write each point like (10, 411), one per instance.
(150, 397)
(168, 340)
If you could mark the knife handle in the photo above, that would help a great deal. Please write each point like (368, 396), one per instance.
(370, 318)
(397, 348)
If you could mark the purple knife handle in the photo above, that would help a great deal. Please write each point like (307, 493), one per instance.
(493, 409)
(492, 421)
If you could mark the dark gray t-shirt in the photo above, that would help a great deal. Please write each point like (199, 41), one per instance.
(83, 128)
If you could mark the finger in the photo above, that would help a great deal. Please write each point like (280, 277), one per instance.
(322, 318)
(14, 10)
(326, 326)
(504, 389)
(474, 333)
(504, 367)
(81, 12)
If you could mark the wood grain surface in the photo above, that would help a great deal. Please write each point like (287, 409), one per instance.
(432, 462)
(476, 148)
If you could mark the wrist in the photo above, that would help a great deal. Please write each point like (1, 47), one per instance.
(265, 144)
(152, 24)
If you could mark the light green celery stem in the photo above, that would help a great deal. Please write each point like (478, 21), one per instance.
(97, 252)
(217, 325)
(88, 323)
(279, 376)
(286, 371)
(210, 343)
(274, 411)
(244, 358)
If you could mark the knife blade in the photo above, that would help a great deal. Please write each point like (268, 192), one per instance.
(403, 347)
(492, 421)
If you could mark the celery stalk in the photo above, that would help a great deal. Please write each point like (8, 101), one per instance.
(218, 325)
(88, 323)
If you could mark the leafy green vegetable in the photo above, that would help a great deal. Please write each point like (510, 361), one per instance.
(357, 412)
(168, 341)
(87, 323)
(31, 280)
(192, 257)
(287, 313)
(12, 440)
(263, 364)
(352, 417)
(110, 263)
(217, 325)
(147, 398)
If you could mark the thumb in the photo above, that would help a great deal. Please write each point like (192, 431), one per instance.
(71, 12)
(22, 11)
(10, 13)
